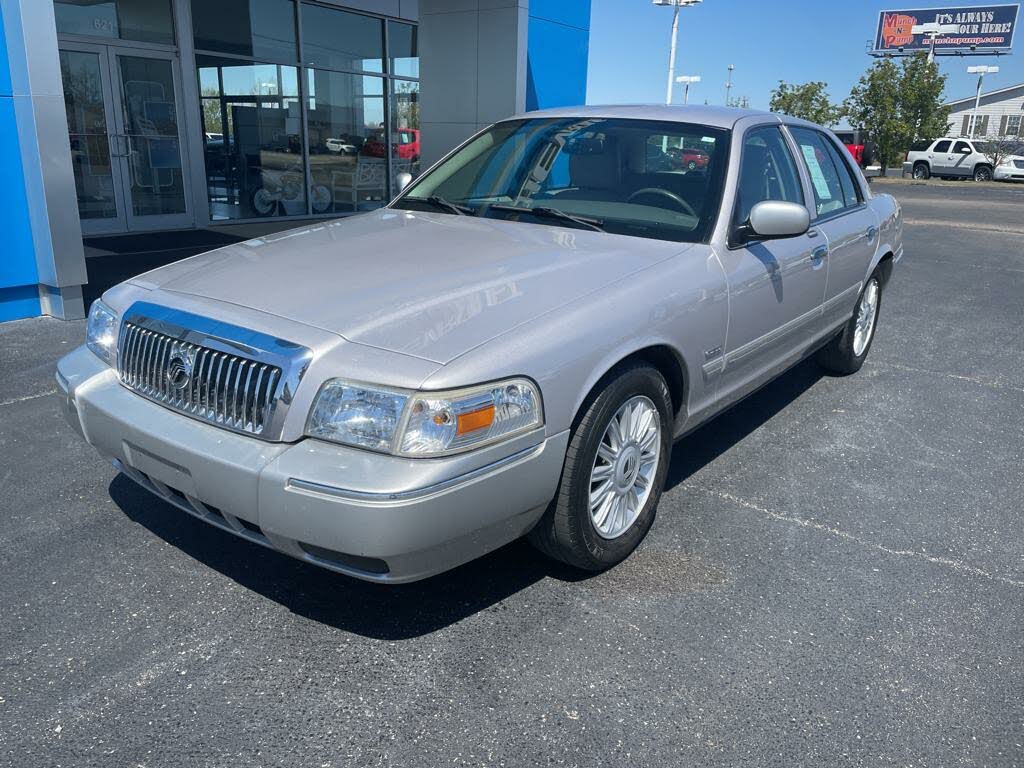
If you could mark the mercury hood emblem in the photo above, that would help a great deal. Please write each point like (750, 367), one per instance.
(179, 367)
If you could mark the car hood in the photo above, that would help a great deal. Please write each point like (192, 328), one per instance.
(423, 284)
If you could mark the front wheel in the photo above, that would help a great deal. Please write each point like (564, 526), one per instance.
(922, 172)
(847, 352)
(983, 173)
(613, 474)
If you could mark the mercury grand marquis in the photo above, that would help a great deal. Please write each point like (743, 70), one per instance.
(510, 348)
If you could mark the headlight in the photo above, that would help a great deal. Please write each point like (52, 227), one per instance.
(101, 332)
(421, 424)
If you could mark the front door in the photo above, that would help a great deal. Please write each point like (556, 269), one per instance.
(123, 108)
(776, 287)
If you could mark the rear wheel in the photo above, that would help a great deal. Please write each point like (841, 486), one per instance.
(613, 475)
(847, 352)
(922, 172)
(983, 173)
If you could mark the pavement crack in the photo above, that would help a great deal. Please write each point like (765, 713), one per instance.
(954, 565)
(956, 376)
(15, 400)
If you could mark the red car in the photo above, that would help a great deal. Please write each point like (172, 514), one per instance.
(406, 144)
(689, 159)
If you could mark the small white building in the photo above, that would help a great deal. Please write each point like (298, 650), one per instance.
(1001, 114)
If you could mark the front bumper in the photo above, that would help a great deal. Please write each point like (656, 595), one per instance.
(1001, 173)
(380, 518)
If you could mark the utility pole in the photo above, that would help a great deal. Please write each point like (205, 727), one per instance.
(728, 85)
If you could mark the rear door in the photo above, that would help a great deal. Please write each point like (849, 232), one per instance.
(842, 214)
(775, 286)
(941, 158)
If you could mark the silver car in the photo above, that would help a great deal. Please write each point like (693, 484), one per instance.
(510, 348)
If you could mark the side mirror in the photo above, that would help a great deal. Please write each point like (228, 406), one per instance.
(402, 180)
(966, 150)
(773, 219)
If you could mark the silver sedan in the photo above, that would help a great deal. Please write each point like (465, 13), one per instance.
(509, 348)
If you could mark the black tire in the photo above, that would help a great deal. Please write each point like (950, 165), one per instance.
(983, 173)
(567, 532)
(838, 356)
(922, 172)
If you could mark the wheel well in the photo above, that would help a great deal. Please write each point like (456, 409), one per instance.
(661, 357)
(885, 267)
(921, 162)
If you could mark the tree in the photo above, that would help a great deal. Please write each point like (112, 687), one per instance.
(921, 87)
(809, 101)
(899, 105)
(874, 104)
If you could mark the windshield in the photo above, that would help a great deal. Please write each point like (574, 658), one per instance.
(660, 180)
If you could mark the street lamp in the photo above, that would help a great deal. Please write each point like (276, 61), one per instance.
(933, 30)
(980, 71)
(676, 5)
(687, 80)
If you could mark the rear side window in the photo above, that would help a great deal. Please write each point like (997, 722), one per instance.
(767, 172)
(920, 146)
(943, 146)
(851, 189)
(826, 182)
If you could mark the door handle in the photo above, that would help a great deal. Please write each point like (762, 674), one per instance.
(819, 253)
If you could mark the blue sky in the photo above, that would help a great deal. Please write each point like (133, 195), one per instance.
(767, 40)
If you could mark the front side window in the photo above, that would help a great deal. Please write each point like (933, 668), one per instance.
(767, 172)
(962, 148)
(614, 175)
(829, 195)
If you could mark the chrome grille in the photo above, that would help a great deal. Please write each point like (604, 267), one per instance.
(222, 388)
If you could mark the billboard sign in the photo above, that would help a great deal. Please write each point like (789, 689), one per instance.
(985, 28)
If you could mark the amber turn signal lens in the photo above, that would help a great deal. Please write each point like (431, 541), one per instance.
(474, 420)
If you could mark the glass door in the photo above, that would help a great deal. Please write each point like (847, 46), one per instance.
(88, 101)
(123, 109)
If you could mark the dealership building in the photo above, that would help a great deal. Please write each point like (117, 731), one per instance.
(127, 117)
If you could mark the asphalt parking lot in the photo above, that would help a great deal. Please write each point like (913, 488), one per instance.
(836, 577)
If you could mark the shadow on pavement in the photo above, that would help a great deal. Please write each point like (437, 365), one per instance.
(411, 610)
(386, 612)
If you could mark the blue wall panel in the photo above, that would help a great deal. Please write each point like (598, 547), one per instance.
(19, 293)
(557, 50)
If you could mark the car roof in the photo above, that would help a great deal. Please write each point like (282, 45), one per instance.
(718, 117)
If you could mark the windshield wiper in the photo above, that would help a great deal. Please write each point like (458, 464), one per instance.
(440, 202)
(550, 213)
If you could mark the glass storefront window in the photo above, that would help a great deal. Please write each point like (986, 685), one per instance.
(252, 139)
(347, 156)
(405, 128)
(262, 29)
(403, 49)
(334, 39)
(146, 21)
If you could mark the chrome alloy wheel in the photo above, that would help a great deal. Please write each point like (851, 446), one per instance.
(622, 477)
(867, 313)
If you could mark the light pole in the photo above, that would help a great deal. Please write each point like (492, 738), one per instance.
(933, 30)
(687, 80)
(676, 5)
(728, 85)
(980, 71)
